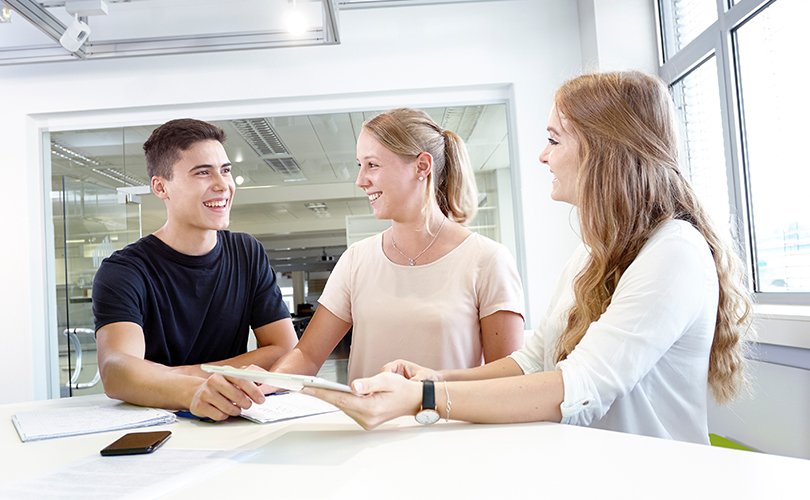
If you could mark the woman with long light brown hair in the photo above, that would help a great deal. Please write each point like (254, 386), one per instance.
(650, 313)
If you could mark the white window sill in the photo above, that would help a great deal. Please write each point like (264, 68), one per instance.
(786, 325)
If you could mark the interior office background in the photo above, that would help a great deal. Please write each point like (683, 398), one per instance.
(426, 54)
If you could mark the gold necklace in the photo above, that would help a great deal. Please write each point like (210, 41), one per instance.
(412, 260)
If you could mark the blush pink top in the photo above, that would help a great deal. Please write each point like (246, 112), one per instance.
(429, 314)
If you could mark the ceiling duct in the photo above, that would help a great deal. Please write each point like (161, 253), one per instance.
(284, 166)
(260, 136)
(462, 120)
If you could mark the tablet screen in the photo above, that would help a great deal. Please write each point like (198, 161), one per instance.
(287, 381)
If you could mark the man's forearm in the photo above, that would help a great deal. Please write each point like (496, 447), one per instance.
(145, 383)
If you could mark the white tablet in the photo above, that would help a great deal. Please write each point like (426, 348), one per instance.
(287, 381)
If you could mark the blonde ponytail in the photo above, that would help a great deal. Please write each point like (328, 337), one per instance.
(409, 132)
(457, 192)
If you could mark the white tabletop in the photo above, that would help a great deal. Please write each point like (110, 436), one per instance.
(329, 456)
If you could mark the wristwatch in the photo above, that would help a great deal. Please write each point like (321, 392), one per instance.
(428, 414)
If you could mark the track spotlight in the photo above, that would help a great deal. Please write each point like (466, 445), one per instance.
(75, 35)
(78, 31)
(5, 13)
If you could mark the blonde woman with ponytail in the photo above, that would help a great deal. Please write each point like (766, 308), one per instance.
(427, 288)
(651, 313)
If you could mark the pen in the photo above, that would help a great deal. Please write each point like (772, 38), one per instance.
(188, 414)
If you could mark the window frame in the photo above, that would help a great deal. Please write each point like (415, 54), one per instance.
(719, 40)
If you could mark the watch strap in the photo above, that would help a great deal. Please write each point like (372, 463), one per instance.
(428, 395)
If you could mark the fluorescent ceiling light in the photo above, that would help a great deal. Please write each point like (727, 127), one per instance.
(131, 27)
(295, 21)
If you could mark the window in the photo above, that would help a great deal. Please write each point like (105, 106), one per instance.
(697, 101)
(742, 109)
(768, 53)
(684, 20)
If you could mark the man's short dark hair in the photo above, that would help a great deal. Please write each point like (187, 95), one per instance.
(167, 141)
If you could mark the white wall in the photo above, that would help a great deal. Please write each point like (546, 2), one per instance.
(618, 35)
(773, 417)
(529, 45)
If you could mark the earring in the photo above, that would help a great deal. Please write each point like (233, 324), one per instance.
(421, 178)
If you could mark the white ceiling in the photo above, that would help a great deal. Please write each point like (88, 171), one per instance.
(126, 28)
(132, 28)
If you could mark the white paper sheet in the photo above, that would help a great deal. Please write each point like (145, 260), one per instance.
(122, 477)
(61, 422)
(286, 406)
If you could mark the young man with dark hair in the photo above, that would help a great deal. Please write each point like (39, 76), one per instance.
(190, 292)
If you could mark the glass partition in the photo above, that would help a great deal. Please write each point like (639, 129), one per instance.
(295, 193)
(91, 219)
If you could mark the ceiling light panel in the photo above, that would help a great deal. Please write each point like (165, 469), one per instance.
(319, 208)
(308, 140)
(183, 18)
(369, 4)
(88, 154)
(335, 135)
(120, 176)
(132, 28)
(73, 156)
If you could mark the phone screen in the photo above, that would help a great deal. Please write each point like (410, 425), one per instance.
(136, 443)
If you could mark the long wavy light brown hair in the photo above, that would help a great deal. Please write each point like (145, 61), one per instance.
(628, 184)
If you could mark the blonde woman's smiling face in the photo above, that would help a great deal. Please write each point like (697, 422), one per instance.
(390, 181)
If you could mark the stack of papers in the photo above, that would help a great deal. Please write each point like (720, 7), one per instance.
(125, 477)
(285, 406)
(61, 422)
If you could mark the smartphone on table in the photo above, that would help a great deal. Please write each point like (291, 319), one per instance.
(136, 443)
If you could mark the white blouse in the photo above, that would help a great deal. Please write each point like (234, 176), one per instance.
(642, 367)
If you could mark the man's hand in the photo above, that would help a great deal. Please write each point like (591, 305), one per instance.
(219, 397)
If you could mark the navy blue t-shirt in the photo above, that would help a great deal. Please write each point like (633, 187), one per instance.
(193, 309)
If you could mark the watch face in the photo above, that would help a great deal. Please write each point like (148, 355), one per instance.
(427, 416)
